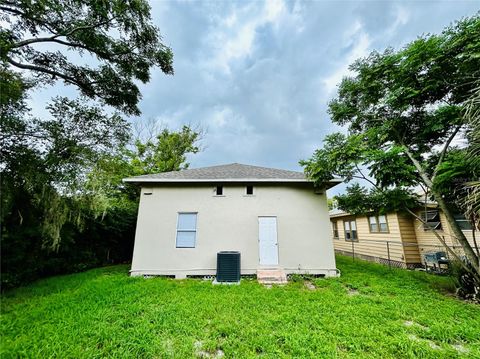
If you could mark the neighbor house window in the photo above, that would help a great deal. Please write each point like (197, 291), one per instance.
(350, 230)
(432, 219)
(462, 222)
(249, 190)
(378, 223)
(219, 190)
(186, 230)
(335, 229)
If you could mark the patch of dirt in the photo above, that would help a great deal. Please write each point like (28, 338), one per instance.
(206, 354)
(409, 323)
(413, 337)
(460, 348)
(168, 347)
(309, 285)
(432, 345)
(203, 354)
(353, 292)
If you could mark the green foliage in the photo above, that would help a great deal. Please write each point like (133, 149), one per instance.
(52, 218)
(48, 159)
(340, 156)
(166, 153)
(105, 313)
(331, 203)
(471, 201)
(345, 156)
(402, 110)
(412, 97)
(118, 34)
(46, 231)
(358, 200)
(452, 173)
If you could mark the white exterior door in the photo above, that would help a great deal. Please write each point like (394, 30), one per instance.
(267, 240)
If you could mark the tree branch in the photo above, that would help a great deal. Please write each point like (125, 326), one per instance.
(23, 135)
(442, 240)
(13, 11)
(53, 37)
(444, 151)
(418, 166)
(21, 13)
(45, 70)
(364, 177)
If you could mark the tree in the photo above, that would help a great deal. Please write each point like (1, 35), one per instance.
(471, 202)
(49, 158)
(403, 110)
(164, 152)
(117, 34)
(103, 49)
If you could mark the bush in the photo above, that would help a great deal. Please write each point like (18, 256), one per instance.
(467, 287)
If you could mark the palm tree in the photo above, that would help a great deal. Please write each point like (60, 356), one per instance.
(471, 202)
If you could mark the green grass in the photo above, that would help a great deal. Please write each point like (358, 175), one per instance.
(363, 314)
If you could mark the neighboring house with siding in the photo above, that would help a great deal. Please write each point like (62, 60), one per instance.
(408, 239)
(274, 218)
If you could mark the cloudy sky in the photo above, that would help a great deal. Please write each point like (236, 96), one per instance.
(257, 76)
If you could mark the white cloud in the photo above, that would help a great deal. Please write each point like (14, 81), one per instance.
(235, 36)
(254, 75)
(402, 17)
(359, 41)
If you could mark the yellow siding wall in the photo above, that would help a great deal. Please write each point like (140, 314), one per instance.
(410, 245)
(372, 244)
(403, 229)
(428, 242)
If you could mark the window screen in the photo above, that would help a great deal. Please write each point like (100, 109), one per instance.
(219, 190)
(186, 230)
(249, 190)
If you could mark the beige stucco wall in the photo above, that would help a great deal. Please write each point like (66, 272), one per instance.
(231, 223)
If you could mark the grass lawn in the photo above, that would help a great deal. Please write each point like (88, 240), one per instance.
(369, 312)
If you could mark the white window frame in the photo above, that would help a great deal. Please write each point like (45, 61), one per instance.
(376, 222)
(350, 230)
(189, 230)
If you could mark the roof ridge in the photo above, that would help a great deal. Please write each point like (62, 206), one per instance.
(231, 171)
(239, 164)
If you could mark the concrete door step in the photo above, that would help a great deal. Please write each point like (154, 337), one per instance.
(271, 276)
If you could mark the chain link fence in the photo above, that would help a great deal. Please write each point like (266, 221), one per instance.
(386, 252)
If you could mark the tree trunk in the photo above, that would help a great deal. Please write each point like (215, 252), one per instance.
(457, 232)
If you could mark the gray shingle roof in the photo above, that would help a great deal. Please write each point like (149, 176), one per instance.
(233, 172)
(229, 173)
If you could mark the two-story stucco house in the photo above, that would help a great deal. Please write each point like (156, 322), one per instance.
(274, 218)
